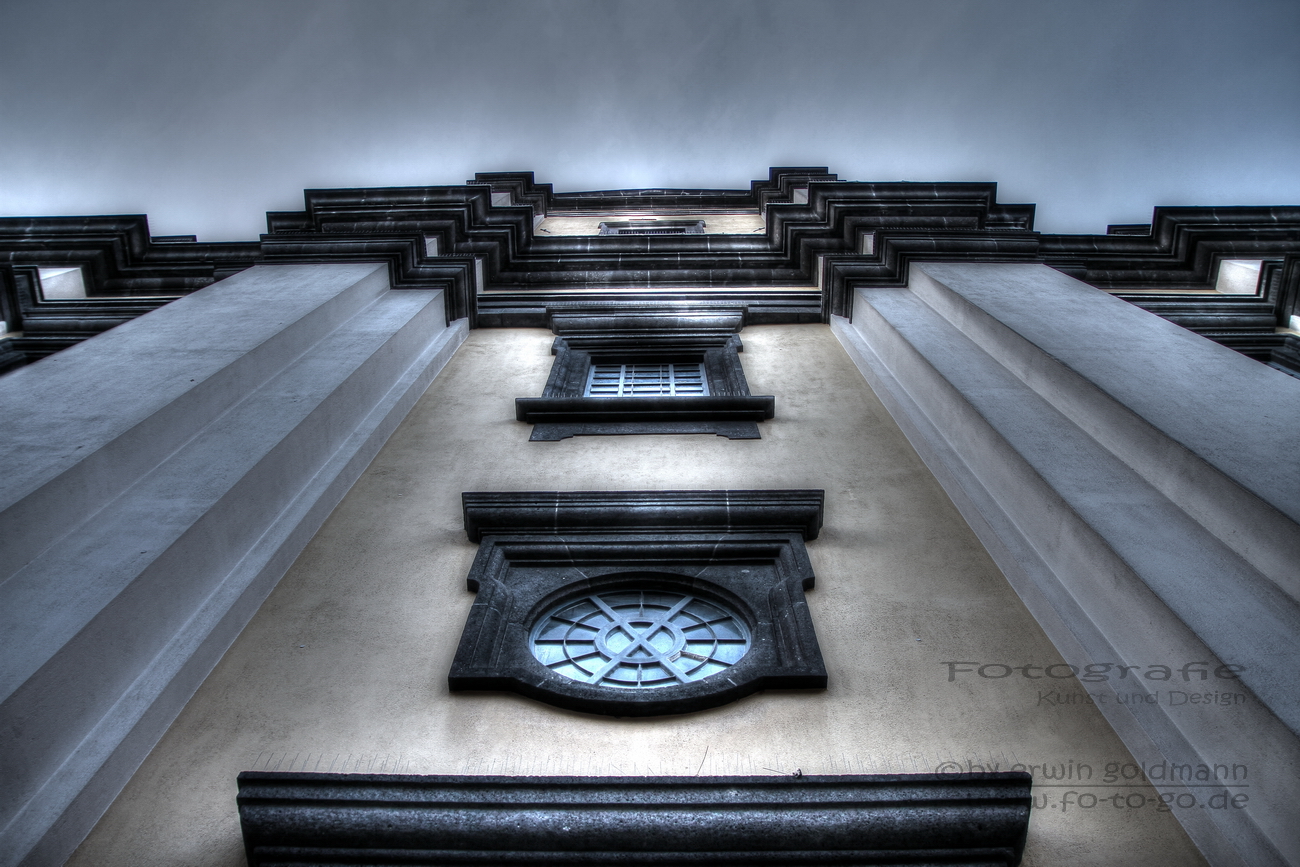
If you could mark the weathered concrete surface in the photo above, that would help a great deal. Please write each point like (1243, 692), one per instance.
(163, 476)
(1137, 484)
(345, 665)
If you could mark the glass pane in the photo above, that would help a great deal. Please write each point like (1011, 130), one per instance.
(632, 380)
(639, 638)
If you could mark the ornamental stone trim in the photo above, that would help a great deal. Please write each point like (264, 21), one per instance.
(741, 553)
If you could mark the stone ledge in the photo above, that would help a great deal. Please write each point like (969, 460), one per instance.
(578, 512)
(959, 819)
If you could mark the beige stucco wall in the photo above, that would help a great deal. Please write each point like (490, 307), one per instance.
(344, 668)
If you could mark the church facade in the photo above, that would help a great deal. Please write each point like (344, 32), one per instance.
(906, 487)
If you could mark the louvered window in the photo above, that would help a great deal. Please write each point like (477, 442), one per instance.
(653, 227)
(641, 380)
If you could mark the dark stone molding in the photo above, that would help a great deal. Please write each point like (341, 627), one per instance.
(50, 326)
(409, 266)
(117, 256)
(653, 336)
(1210, 313)
(126, 274)
(524, 309)
(777, 188)
(376, 819)
(558, 418)
(652, 227)
(897, 248)
(586, 512)
(740, 550)
(1182, 249)
(810, 214)
(614, 319)
(1142, 229)
(676, 421)
(824, 237)
(11, 356)
(1279, 351)
(675, 336)
(758, 577)
(1166, 270)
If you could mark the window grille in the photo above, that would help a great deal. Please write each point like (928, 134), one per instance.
(639, 380)
(688, 599)
(637, 639)
(653, 227)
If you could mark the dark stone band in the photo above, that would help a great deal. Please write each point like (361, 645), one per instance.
(585, 512)
(927, 819)
(548, 432)
(580, 410)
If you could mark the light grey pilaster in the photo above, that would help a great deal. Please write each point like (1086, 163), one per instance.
(1139, 485)
(159, 479)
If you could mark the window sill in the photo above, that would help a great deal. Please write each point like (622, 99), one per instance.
(732, 416)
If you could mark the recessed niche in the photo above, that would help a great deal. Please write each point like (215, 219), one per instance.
(62, 284)
(1238, 277)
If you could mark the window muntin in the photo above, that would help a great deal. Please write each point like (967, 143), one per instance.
(639, 639)
(615, 374)
(645, 379)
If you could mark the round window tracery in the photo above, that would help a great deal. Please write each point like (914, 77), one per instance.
(639, 638)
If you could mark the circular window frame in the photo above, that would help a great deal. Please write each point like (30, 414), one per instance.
(518, 577)
(640, 637)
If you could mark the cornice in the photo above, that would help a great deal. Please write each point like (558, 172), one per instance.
(126, 274)
(1181, 249)
(824, 236)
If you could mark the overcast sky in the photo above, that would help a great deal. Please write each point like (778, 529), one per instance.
(207, 115)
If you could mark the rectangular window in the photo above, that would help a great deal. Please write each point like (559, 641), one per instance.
(653, 227)
(645, 372)
(638, 380)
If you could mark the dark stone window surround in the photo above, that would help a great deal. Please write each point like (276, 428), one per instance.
(743, 548)
(389, 819)
(646, 336)
(652, 227)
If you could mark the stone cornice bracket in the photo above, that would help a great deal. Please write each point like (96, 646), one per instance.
(377, 819)
(591, 512)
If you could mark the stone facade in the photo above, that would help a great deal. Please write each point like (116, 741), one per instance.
(1059, 532)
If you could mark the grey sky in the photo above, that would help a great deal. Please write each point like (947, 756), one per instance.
(207, 115)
